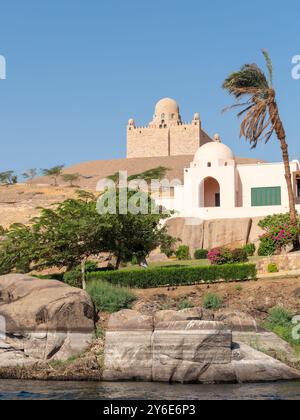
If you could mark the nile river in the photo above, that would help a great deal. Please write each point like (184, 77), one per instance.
(19, 390)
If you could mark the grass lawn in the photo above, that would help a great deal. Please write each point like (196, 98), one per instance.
(189, 263)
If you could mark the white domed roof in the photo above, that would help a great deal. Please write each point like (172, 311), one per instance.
(167, 106)
(212, 151)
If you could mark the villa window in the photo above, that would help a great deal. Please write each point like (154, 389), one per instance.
(209, 164)
(267, 196)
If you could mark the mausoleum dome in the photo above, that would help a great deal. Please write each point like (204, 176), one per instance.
(166, 106)
(213, 151)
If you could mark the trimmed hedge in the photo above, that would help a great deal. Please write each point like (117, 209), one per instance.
(171, 276)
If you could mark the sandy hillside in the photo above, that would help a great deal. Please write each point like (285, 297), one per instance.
(92, 172)
(19, 203)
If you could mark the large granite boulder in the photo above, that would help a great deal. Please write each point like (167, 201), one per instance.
(189, 314)
(180, 347)
(43, 320)
(128, 347)
(209, 234)
(237, 320)
(189, 230)
(227, 232)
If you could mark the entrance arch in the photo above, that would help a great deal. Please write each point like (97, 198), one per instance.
(211, 193)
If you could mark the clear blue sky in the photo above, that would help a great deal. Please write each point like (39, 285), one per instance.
(78, 70)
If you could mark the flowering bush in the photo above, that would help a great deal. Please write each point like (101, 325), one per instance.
(279, 233)
(223, 255)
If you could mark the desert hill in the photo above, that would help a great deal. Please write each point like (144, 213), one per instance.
(96, 170)
(19, 203)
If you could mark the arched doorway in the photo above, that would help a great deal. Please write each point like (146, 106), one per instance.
(211, 193)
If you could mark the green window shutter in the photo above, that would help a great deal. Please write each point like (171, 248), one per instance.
(267, 196)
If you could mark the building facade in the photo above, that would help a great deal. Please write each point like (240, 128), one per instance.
(216, 187)
(166, 134)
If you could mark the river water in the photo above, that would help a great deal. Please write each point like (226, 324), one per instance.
(24, 390)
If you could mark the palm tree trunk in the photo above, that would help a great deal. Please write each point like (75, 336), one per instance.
(280, 132)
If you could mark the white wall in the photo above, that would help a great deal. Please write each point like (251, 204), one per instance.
(187, 198)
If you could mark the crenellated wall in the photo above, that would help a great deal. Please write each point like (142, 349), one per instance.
(183, 139)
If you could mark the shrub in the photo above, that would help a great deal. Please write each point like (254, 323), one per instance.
(212, 301)
(250, 249)
(223, 255)
(185, 304)
(272, 268)
(73, 278)
(109, 298)
(134, 260)
(279, 316)
(238, 287)
(175, 276)
(280, 322)
(267, 247)
(90, 266)
(239, 255)
(220, 256)
(201, 254)
(183, 253)
(279, 230)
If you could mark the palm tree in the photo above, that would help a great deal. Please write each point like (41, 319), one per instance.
(260, 113)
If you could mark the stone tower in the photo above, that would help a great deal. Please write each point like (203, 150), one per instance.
(166, 135)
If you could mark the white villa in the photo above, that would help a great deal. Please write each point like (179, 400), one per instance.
(217, 184)
(216, 187)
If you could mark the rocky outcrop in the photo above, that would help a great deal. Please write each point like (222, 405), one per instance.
(181, 347)
(42, 319)
(182, 350)
(128, 348)
(208, 234)
(237, 320)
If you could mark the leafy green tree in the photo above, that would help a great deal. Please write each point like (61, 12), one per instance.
(8, 178)
(129, 235)
(66, 236)
(157, 173)
(54, 173)
(61, 237)
(30, 174)
(18, 249)
(261, 118)
(71, 178)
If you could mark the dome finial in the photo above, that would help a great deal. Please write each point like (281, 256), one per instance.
(217, 138)
(131, 122)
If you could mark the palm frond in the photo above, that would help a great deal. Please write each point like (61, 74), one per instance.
(269, 66)
(251, 82)
(248, 81)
